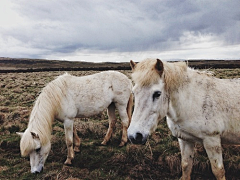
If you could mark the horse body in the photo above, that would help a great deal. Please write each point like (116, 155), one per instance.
(68, 97)
(211, 109)
(199, 108)
(90, 95)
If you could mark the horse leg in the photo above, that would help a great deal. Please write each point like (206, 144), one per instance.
(76, 140)
(187, 153)
(112, 123)
(122, 110)
(213, 148)
(129, 108)
(68, 127)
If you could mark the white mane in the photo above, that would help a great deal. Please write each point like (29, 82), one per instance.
(43, 113)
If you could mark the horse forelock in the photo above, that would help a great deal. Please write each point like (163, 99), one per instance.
(26, 144)
(145, 73)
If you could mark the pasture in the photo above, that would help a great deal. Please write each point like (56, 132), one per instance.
(158, 159)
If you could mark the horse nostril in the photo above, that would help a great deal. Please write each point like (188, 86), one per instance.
(139, 138)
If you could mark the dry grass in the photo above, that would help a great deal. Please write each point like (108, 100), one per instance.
(226, 73)
(158, 159)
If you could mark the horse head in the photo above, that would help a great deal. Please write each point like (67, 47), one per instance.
(151, 99)
(31, 145)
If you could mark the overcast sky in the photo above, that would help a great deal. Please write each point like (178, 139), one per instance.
(115, 30)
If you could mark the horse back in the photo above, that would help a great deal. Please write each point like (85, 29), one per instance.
(89, 95)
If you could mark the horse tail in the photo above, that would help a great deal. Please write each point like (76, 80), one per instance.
(129, 108)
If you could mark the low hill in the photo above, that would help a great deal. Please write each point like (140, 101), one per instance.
(39, 65)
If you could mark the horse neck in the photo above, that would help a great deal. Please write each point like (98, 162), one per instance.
(177, 90)
(186, 90)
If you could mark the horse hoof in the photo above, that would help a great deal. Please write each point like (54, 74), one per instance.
(76, 149)
(104, 143)
(122, 144)
(68, 162)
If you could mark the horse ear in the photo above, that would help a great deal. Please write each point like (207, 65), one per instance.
(34, 135)
(132, 64)
(20, 134)
(159, 66)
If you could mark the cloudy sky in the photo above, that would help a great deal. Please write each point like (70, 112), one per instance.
(114, 30)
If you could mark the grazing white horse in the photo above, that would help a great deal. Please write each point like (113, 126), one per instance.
(199, 108)
(68, 97)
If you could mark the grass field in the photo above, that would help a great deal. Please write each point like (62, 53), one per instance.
(158, 159)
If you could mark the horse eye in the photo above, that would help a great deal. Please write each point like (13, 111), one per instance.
(38, 149)
(156, 94)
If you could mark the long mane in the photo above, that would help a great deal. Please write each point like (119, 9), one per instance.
(45, 108)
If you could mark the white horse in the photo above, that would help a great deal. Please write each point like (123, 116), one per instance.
(199, 108)
(68, 97)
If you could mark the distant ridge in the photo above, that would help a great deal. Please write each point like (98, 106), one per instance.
(39, 65)
(8, 65)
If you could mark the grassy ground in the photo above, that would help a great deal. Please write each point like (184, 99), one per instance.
(158, 159)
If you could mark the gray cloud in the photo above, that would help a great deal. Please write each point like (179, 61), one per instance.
(65, 26)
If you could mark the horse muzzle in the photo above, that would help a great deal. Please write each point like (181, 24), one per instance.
(138, 138)
(37, 170)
